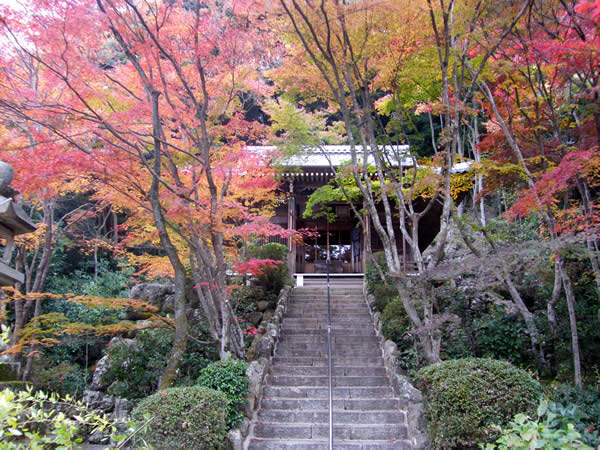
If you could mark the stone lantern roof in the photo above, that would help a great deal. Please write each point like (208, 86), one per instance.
(13, 222)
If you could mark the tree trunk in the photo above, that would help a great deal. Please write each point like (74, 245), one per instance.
(551, 314)
(534, 335)
(181, 324)
(566, 282)
(181, 334)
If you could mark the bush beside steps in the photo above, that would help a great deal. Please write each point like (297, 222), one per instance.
(465, 398)
(183, 417)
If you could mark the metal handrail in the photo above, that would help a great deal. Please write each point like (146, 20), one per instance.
(329, 362)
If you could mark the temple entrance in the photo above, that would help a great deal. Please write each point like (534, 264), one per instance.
(342, 241)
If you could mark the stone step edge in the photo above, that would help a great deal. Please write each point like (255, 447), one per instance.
(338, 425)
(335, 442)
(335, 410)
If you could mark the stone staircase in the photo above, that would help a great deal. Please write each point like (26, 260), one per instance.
(294, 413)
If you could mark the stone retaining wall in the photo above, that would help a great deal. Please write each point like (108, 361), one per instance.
(259, 368)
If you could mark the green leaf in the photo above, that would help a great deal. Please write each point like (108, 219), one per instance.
(520, 419)
(530, 435)
(542, 408)
(15, 432)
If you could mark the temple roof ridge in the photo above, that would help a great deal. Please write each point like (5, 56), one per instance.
(328, 155)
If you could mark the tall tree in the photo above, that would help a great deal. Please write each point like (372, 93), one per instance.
(543, 101)
(161, 122)
(343, 43)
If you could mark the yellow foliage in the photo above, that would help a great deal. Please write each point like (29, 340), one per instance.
(112, 303)
(46, 330)
(31, 240)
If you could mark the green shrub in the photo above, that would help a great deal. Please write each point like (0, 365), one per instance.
(64, 378)
(396, 326)
(245, 299)
(467, 397)
(502, 336)
(135, 368)
(384, 291)
(111, 281)
(550, 430)
(182, 417)
(229, 377)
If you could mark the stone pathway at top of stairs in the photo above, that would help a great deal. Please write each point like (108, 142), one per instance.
(293, 412)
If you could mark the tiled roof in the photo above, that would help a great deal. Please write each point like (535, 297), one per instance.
(334, 155)
(327, 155)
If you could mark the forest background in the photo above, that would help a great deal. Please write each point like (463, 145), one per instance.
(127, 123)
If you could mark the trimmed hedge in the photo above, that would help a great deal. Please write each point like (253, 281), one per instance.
(184, 417)
(228, 376)
(466, 397)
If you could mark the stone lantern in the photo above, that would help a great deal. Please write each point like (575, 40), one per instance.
(13, 222)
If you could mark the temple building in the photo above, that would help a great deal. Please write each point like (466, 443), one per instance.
(347, 243)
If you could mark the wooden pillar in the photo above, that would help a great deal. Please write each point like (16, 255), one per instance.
(366, 239)
(292, 226)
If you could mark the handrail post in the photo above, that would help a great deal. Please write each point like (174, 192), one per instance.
(329, 363)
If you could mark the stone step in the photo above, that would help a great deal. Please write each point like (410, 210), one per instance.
(354, 371)
(361, 393)
(322, 309)
(335, 338)
(341, 323)
(299, 444)
(323, 296)
(314, 312)
(299, 331)
(339, 287)
(353, 298)
(333, 293)
(322, 300)
(338, 346)
(304, 404)
(295, 399)
(337, 326)
(338, 381)
(339, 417)
(358, 317)
(343, 353)
(373, 360)
(321, 288)
(312, 327)
(323, 303)
(315, 431)
(312, 342)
